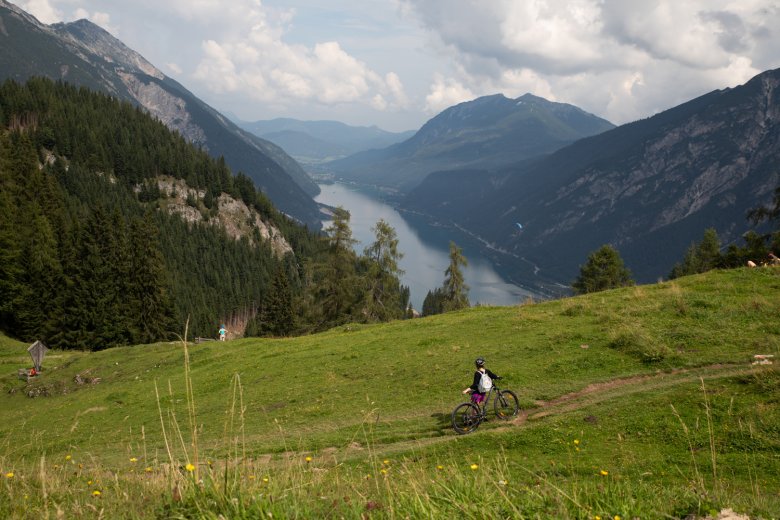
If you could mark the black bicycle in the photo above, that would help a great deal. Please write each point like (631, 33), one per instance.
(466, 417)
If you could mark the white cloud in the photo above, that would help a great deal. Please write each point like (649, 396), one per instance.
(98, 18)
(174, 67)
(42, 10)
(621, 60)
(444, 93)
(254, 59)
(351, 60)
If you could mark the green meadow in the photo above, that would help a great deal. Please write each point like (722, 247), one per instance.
(642, 402)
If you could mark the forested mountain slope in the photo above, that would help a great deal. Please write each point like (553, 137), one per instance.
(115, 230)
(95, 251)
(84, 54)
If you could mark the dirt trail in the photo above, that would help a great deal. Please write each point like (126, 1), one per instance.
(590, 395)
(596, 393)
(599, 392)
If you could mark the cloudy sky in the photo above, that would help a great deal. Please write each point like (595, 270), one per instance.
(397, 63)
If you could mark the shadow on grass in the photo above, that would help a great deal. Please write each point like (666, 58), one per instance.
(443, 420)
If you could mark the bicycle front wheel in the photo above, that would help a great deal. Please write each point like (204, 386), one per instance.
(506, 405)
(465, 418)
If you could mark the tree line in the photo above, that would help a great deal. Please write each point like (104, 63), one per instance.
(604, 269)
(89, 259)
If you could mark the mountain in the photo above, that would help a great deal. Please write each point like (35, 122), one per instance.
(649, 188)
(486, 133)
(84, 54)
(312, 142)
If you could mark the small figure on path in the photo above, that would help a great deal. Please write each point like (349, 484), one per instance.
(483, 382)
(222, 332)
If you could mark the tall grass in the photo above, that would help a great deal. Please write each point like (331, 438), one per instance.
(674, 450)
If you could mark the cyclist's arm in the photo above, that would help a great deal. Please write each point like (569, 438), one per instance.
(491, 375)
(475, 385)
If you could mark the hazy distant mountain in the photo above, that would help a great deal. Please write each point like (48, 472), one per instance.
(84, 54)
(650, 188)
(486, 133)
(317, 141)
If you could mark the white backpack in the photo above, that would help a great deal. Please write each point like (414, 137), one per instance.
(485, 383)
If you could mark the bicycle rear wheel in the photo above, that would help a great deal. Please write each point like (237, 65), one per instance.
(506, 404)
(465, 418)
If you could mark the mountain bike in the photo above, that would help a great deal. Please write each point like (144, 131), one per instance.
(466, 417)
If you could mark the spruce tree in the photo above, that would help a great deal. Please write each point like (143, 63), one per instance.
(148, 294)
(433, 302)
(278, 318)
(603, 270)
(700, 257)
(382, 286)
(455, 290)
(333, 284)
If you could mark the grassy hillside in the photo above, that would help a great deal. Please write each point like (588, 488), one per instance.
(637, 402)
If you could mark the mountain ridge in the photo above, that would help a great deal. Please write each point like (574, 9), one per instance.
(85, 54)
(649, 187)
(485, 133)
(314, 142)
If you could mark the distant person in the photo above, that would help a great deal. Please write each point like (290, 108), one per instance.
(483, 382)
(222, 332)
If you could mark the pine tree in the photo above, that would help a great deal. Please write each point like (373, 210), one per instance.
(382, 286)
(40, 278)
(148, 293)
(277, 318)
(700, 257)
(603, 270)
(333, 286)
(455, 290)
(433, 302)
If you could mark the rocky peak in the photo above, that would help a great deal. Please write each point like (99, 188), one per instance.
(100, 42)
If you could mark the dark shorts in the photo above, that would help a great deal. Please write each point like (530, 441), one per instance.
(477, 398)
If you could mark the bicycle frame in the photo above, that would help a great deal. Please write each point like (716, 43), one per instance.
(466, 417)
(483, 406)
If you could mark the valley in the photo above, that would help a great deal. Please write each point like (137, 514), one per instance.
(425, 248)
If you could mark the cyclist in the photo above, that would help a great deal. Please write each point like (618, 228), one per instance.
(477, 388)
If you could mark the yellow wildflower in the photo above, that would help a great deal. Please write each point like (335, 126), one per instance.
(265, 479)
(308, 459)
(89, 482)
(67, 457)
(439, 467)
(576, 442)
(96, 493)
(189, 467)
(386, 462)
(252, 477)
(10, 474)
(133, 459)
(383, 471)
(617, 517)
(474, 467)
(604, 473)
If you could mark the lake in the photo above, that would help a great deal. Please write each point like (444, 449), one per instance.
(425, 248)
